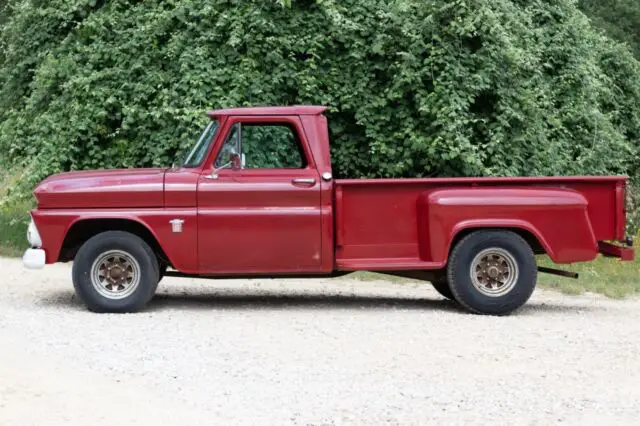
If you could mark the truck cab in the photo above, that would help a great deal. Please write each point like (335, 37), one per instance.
(256, 196)
(262, 192)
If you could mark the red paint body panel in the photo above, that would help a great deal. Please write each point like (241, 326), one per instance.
(180, 188)
(316, 134)
(544, 213)
(179, 248)
(270, 111)
(102, 188)
(261, 224)
(414, 221)
(263, 221)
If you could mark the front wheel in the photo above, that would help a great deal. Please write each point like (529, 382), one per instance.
(492, 272)
(162, 270)
(441, 285)
(115, 271)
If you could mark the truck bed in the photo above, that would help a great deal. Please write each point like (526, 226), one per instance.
(396, 224)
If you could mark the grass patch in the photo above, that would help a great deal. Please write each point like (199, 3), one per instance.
(14, 220)
(605, 275)
(14, 214)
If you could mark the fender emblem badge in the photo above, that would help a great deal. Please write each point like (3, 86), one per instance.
(176, 225)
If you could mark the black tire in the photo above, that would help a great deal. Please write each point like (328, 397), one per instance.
(162, 269)
(442, 286)
(515, 250)
(146, 265)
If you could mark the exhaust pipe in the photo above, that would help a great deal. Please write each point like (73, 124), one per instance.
(558, 272)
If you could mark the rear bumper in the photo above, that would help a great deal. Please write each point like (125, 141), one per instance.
(34, 258)
(612, 250)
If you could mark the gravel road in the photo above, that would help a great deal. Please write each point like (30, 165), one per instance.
(310, 352)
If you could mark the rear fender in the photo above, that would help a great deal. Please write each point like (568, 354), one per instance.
(557, 218)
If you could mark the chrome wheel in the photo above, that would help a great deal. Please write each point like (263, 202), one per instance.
(494, 272)
(115, 274)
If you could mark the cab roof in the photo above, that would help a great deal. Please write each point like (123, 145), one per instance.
(270, 110)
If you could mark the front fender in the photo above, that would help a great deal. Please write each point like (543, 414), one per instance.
(180, 248)
(557, 218)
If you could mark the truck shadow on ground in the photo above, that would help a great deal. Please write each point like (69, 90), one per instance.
(228, 300)
(335, 302)
(295, 301)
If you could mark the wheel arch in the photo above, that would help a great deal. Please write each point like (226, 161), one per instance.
(528, 232)
(81, 230)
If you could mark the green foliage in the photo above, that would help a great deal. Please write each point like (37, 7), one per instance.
(620, 19)
(270, 147)
(605, 275)
(13, 228)
(415, 87)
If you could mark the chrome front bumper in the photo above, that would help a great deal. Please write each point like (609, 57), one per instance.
(33, 258)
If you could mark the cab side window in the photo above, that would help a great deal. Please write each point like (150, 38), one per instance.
(263, 146)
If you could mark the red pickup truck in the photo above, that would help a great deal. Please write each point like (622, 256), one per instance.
(256, 197)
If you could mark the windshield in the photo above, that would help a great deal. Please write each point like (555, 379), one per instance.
(197, 154)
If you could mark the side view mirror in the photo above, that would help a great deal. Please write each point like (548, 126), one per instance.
(236, 161)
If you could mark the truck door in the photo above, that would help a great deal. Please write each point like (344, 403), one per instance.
(259, 200)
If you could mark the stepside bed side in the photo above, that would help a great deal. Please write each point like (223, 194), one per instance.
(557, 218)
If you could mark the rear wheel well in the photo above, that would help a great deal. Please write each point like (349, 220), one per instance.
(529, 237)
(81, 231)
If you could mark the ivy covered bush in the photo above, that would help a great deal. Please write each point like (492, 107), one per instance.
(620, 19)
(415, 87)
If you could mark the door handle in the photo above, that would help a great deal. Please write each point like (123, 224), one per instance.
(304, 181)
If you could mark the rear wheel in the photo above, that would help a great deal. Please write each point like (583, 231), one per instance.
(115, 271)
(492, 272)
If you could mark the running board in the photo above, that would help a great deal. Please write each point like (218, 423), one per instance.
(558, 272)
(176, 274)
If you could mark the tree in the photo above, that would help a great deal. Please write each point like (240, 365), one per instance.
(415, 87)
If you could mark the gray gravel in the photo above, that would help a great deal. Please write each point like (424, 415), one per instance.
(310, 352)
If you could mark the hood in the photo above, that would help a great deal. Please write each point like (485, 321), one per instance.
(102, 189)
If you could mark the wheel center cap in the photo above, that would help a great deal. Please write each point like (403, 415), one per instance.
(493, 272)
(116, 273)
